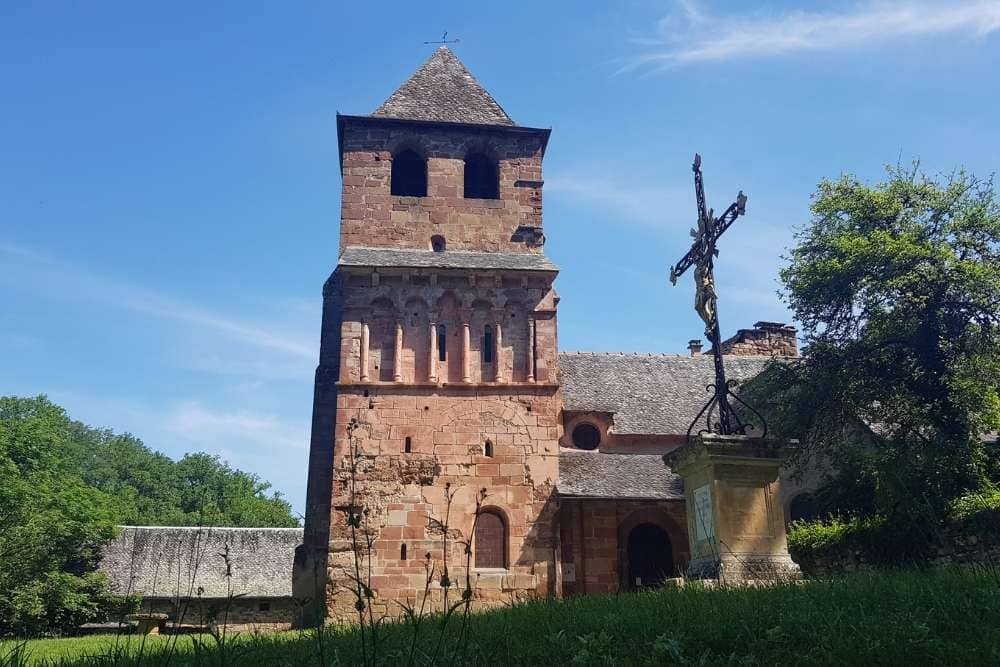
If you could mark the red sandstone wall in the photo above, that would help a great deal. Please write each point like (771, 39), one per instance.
(594, 534)
(406, 493)
(618, 443)
(371, 216)
(408, 298)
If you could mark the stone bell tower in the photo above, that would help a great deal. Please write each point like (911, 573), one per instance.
(439, 338)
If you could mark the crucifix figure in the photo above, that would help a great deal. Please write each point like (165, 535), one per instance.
(702, 256)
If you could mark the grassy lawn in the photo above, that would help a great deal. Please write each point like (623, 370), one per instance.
(41, 651)
(946, 616)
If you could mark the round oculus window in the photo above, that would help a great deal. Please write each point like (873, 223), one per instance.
(586, 436)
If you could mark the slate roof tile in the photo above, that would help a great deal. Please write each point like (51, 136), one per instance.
(448, 259)
(599, 475)
(151, 560)
(648, 394)
(443, 90)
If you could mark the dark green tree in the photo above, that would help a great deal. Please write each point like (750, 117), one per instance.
(897, 289)
(52, 524)
(152, 489)
(64, 487)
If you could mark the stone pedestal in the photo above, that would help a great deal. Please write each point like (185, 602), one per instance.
(736, 523)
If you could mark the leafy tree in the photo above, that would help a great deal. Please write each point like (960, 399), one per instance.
(51, 524)
(897, 288)
(64, 487)
(152, 489)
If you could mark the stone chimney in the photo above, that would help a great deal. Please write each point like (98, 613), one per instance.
(766, 339)
(695, 346)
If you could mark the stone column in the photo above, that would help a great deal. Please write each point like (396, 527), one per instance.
(531, 349)
(736, 522)
(466, 353)
(397, 359)
(364, 352)
(497, 352)
(432, 363)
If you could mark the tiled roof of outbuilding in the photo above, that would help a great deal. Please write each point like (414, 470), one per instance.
(443, 90)
(163, 561)
(447, 259)
(598, 475)
(648, 394)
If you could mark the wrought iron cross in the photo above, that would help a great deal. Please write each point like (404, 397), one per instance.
(444, 40)
(702, 256)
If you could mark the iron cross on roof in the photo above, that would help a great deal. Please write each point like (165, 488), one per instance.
(444, 39)
(702, 256)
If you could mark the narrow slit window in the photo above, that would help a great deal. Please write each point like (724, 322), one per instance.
(442, 343)
(488, 344)
(402, 551)
(488, 448)
(408, 445)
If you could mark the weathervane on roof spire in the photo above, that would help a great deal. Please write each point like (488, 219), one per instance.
(702, 256)
(444, 39)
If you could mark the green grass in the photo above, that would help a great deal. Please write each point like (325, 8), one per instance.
(945, 616)
(42, 650)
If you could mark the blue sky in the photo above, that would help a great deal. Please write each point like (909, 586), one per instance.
(169, 192)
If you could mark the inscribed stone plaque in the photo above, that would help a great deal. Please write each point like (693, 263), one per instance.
(703, 524)
(749, 508)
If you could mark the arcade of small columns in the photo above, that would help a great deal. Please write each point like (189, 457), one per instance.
(491, 337)
(433, 354)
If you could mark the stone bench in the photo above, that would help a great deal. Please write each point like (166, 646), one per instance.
(148, 623)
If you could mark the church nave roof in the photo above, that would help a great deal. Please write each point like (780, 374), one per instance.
(621, 476)
(649, 394)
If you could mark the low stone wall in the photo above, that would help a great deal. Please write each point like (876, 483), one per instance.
(239, 613)
(958, 547)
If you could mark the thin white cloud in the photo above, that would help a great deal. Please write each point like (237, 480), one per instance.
(747, 270)
(197, 424)
(259, 368)
(652, 206)
(26, 268)
(692, 35)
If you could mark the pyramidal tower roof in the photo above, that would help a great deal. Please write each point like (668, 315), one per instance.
(443, 90)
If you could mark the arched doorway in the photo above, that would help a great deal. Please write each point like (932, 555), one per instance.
(650, 556)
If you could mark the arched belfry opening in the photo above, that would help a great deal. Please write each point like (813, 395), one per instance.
(482, 177)
(649, 556)
(409, 174)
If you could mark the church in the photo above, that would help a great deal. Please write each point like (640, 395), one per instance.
(443, 405)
